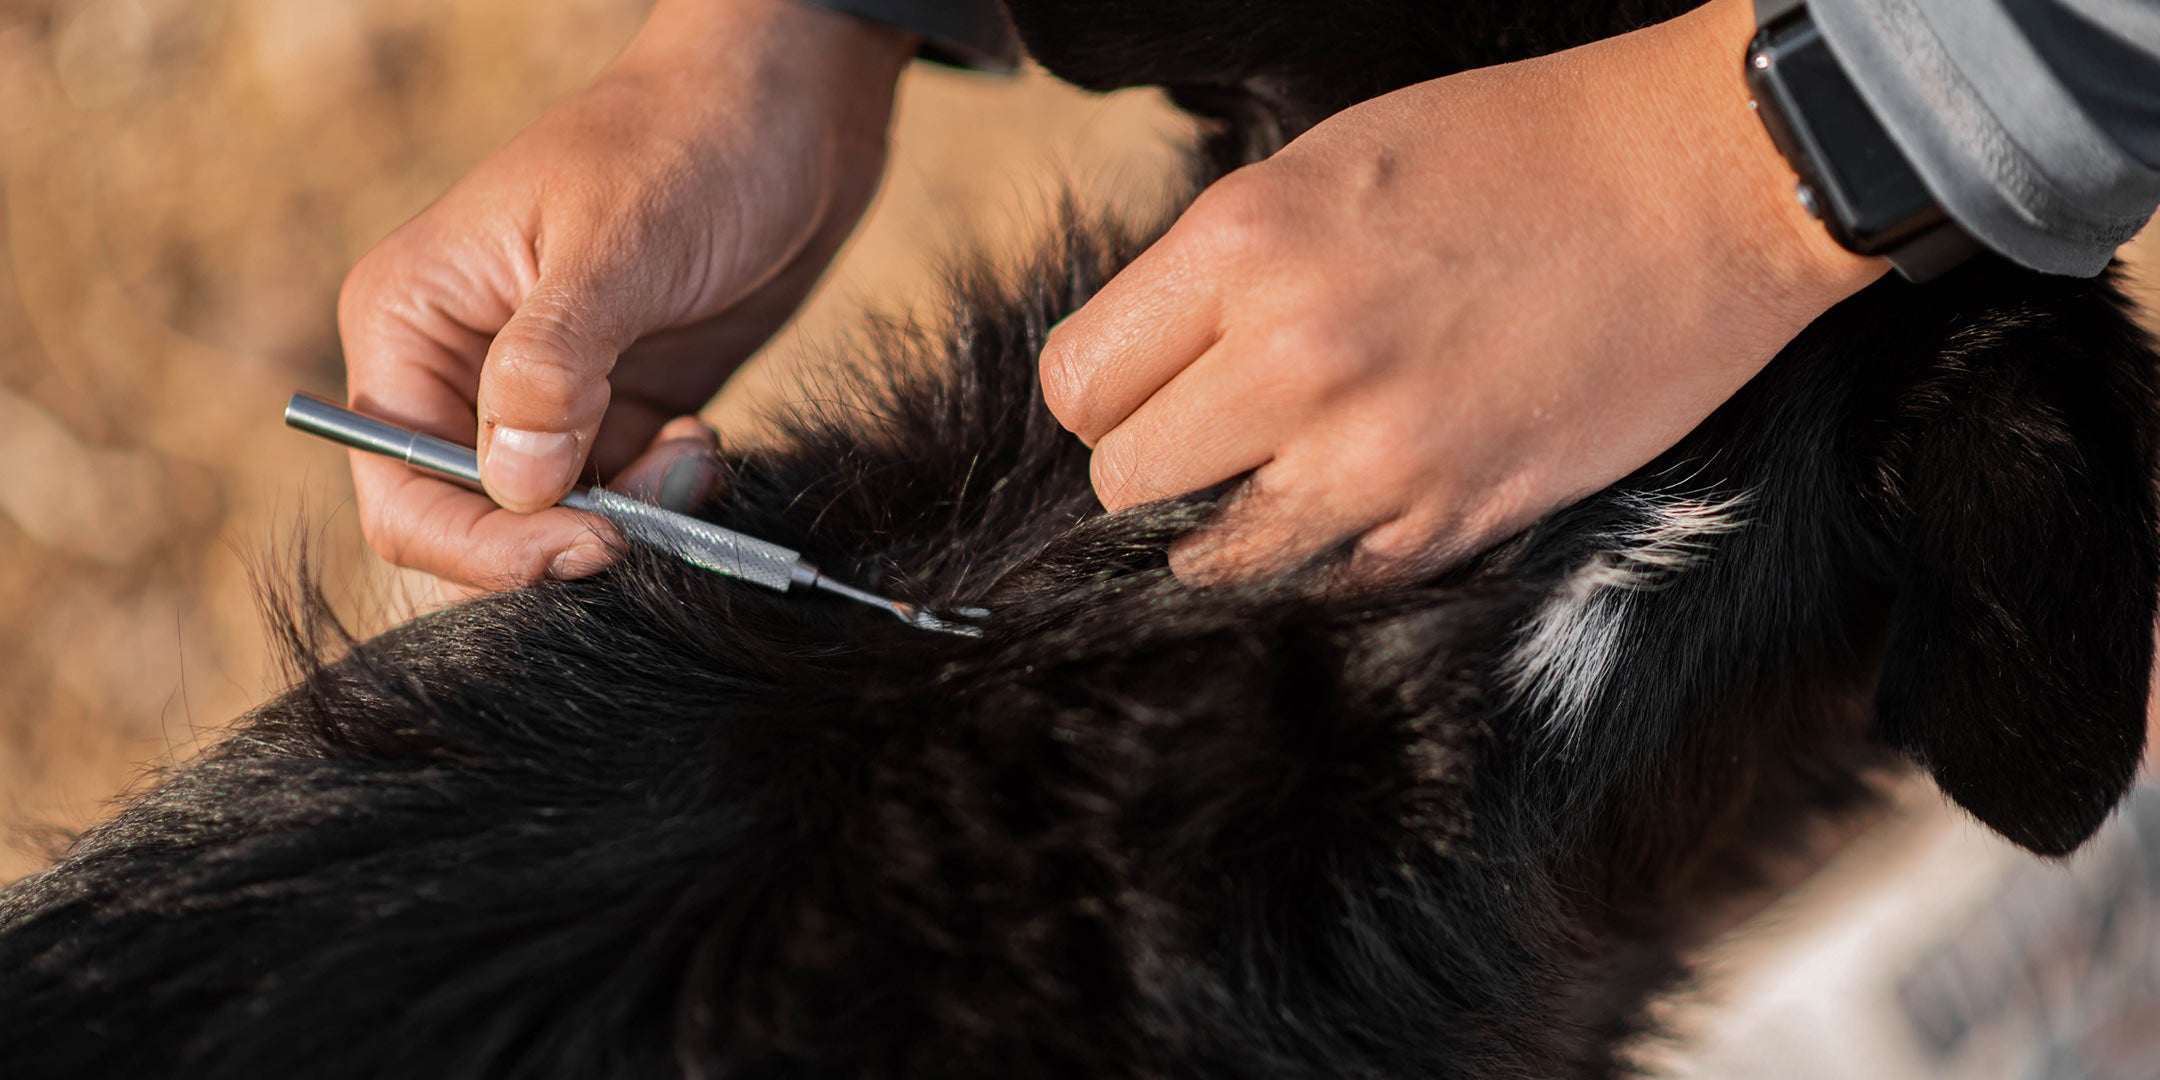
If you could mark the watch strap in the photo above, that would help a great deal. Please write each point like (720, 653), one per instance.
(1853, 175)
(963, 33)
(1934, 253)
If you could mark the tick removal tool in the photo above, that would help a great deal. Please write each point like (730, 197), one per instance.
(699, 543)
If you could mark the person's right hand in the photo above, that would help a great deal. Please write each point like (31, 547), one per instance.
(599, 277)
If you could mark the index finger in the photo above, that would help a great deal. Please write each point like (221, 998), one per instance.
(440, 528)
(1147, 324)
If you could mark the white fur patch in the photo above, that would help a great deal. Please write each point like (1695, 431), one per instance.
(1566, 650)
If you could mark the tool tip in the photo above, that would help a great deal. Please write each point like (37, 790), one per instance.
(922, 619)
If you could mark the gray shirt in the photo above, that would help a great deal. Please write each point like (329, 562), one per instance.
(2035, 122)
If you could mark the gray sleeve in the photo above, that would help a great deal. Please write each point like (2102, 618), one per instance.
(965, 33)
(2035, 122)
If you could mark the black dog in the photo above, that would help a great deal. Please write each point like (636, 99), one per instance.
(657, 824)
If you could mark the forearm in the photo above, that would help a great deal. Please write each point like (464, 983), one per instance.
(2035, 122)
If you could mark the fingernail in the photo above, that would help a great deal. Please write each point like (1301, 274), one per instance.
(583, 560)
(527, 470)
(686, 481)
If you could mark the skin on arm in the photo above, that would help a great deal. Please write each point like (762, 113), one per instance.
(1448, 310)
(599, 277)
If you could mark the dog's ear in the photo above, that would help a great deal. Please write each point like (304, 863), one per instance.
(2020, 644)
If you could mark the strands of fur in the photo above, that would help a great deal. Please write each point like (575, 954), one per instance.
(658, 823)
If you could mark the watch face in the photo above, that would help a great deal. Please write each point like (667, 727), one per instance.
(1860, 183)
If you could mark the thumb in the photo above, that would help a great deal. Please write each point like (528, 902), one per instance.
(543, 390)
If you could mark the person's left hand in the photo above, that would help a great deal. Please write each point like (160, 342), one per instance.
(1453, 308)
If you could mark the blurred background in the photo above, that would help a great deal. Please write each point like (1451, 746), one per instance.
(183, 184)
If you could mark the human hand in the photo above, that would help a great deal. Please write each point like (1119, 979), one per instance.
(602, 274)
(1448, 310)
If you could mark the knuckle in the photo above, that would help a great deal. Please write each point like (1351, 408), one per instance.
(1066, 377)
(1239, 214)
(1306, 346)
(542, 355)
(1110, 470)
(1263, 486)
(392, 521)
(1421, 540)
(390, 543)
(1231, 234)
(1398, 543)
(1500, 510)
(362, 294)
(1238, 199)
(383, 268)
(356, 291)
(533, 356)
(1324, 358)
(1445, 527)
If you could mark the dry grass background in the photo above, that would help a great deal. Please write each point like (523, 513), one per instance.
(182, 186)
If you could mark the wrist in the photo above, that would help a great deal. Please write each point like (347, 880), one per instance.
(767, 49)
(788, 82)
(1725, 171)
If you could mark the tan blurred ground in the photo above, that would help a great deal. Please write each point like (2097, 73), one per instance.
(185, 182)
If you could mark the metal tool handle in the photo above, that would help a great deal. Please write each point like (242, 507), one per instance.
(699, 543)
(320, 416)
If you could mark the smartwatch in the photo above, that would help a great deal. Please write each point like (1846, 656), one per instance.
(1853, 177)
(962, 33)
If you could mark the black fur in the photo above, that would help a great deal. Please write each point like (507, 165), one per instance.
(657, 823)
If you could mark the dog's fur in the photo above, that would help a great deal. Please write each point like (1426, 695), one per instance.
(659, 823)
